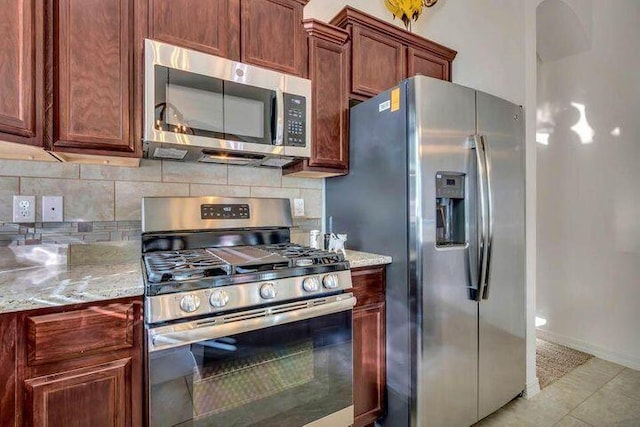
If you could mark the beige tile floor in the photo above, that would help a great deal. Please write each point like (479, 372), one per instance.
(598, 393)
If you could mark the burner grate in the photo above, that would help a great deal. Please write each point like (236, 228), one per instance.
(304, 255)
(183, 265)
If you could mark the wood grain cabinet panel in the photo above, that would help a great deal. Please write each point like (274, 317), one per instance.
(18, 101)
(426, 64)
(369, 363)
(272, 35)
(93, 75)
(383, 54)
(8, 370)
(328, 68)
(79, 333)
(369, 344)
(95, 396)
(194, 24)
(378, 62)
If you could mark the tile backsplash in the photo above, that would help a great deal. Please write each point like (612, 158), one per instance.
(102, 203)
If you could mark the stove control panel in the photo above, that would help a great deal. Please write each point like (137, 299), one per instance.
(225, 211)
(243, 296)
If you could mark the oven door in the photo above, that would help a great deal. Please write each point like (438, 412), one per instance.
(289, 365)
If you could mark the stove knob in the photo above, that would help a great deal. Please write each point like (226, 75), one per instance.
(330, 281)
(311, 284)
(219, 298)
(268, 291)
(189, 303)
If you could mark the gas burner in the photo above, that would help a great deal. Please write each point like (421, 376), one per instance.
(303, 255)
(183, 265)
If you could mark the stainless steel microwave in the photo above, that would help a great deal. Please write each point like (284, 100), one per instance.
(204, 108)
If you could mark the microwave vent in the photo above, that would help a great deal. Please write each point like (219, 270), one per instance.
(169, 153)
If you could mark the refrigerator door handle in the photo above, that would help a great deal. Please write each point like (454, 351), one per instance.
(478, 143)
(489, 195)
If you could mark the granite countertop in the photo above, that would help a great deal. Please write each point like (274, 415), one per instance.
(364, 259)
(42, 278)
(51, 276)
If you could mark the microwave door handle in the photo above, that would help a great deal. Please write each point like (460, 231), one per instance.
(279, 139)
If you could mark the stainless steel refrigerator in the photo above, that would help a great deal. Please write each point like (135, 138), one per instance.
(436, 180)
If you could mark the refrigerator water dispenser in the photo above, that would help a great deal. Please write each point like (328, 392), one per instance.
(450, 209)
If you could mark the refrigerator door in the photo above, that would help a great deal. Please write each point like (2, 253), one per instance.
(502, 308)
(446, 347)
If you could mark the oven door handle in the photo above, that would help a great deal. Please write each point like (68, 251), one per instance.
(166, 337)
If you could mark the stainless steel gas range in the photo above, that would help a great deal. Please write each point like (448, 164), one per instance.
(243, 328)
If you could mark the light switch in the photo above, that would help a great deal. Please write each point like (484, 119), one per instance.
(52, 209)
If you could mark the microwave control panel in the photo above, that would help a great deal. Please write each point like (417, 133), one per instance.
(224, 212)
(295, 119)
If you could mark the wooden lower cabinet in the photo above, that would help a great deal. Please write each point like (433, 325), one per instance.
(369, 345)
(78, 365)
(8, 370)
(93, 396)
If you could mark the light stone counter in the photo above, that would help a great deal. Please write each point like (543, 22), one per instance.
(38, 279)
(364, 259)
(40, 276)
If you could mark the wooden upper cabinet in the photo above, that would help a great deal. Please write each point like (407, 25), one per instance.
(383, 54)
(18, 57)
(378, 62)
(93, 396)
(272, 34)
(195, 24)
(427, 64)
(328, 66)
(93, 76)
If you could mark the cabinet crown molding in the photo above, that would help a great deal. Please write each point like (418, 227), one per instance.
(322, 30)
(351, 16)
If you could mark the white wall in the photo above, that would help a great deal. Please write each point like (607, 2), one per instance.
(588, 276)
(495, 40)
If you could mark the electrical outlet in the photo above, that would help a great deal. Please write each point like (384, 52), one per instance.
(24, 208)
(298, 207)
(52, 209)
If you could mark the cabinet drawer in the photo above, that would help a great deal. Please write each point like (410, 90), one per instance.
(79, 333)
(368, 285)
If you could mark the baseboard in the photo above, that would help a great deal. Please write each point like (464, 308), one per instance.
(532, 389)
(602, 353)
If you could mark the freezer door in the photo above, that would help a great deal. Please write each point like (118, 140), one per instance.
(446, 336)
(502, 307)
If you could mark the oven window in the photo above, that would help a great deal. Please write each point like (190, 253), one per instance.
(194, 104)
(286, 375)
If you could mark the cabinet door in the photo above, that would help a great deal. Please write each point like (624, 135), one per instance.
(96, 396)
(272, 35)
(327, 71)
(17, 70)
(427, 64)
(93, 75)
(369, 363)
(378, 62)
(195, 24)
(8, 370)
